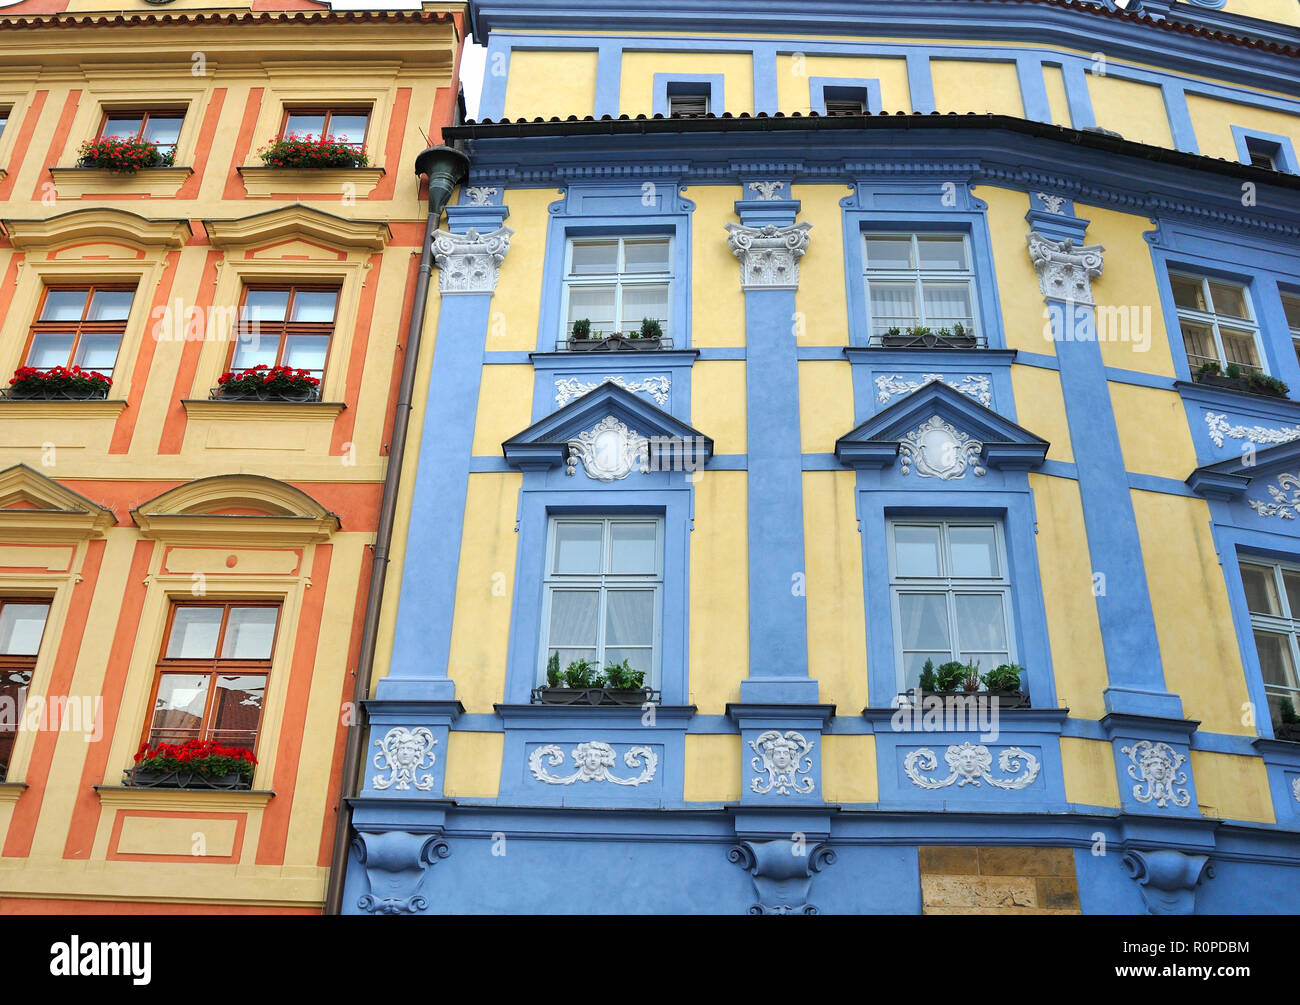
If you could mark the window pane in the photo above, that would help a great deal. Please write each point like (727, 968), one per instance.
(632, 548)
(1291, 582)
(304, 123)
(252, 349)
(596, 303)
(914, 663)
(1198, 340)
(64, 305)
(923, 620)
(314, 305)
(594, 258)
(573, 617)
(1275, 659)
(916, 550)
(178, 709)
(974, 551)
(50, 350)
(946, 303)
(1229, 301)
(645, 256)
(97, 352)
(236, 709)
(1291, 305)
(569, 654)
(577, 548)
(948, 253)
(980, 622)
(163, 130)
(306, 352)
(889, 253)
(641, 302)
(349, 128)
(110, 305)
(629, 617)
(641, 658)
(194, 633)
(892, 304)
(265, 305)
(21, 626)
(1188, 292)
(1239, 347)
(1261, 589)
(122, 127)
(249, 633)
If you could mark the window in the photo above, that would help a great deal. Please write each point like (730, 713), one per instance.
(950, 595)
(347, 125)
(919, 281)
(285, 326)
(4, 119)
(616, 282)
(688, 104)
(22, 623)
(844, 106)
(604, 580)
(1273, 599)
(1262, 153)
(1216, 321)
(80, 326)
(211, 677)
(1291, 307)
(162, 128)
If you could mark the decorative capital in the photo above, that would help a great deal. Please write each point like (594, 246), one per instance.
(470, 262)
(1167, 879)
(395, 863)
(1065, 269)
(769, 255)
(782, 871)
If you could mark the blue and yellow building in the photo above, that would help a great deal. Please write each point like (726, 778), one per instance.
(970, 326)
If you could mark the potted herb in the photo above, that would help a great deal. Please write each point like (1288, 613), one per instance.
(971, 682)
(1003, 682)
(649, 336)
(921, 336)
(1233, 378)
(583, 683)
(312, 153)
(950, 676)
(268, 383)
(1288, 726)
(31, 383)
(202, 764)
(957, 678)
(123, 156)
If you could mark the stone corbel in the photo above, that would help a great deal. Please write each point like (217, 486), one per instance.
(769, 255)
(782, 871)
(470, 262)
(395, 863)
(1167, 880)
(1065, 269)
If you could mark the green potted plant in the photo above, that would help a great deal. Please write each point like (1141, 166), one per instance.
(268, 383)
(1234, 378)
(122, 156)
(30, 383)
(1288, 725)
(950, 676)
(971, 682)
(582, 682)
(312, 153)
(1003, 682)
(195, 764)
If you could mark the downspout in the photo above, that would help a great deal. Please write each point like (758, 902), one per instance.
(445, 168)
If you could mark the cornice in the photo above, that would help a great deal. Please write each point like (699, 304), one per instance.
(298, 221)
(98, 224)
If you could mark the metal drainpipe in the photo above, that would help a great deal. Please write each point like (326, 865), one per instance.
(446, 168)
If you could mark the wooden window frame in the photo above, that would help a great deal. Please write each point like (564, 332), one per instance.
(144, 114)
(329, 111)
(21, 664)
(213, 667)
(82, 326)
(287, 327)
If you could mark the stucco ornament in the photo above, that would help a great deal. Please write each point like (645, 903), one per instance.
(782, 871)
(1295, 789)
(1052, 203)
(1219, 427)
(1155, 767)
(768, 191)
(470, 262)
(971, 764)
(1283, 506)
(783, 757)
(403, 753)
(480, 195)
(609, 451)
(594, 760)
(769, 255)
(569, 388)
(1167, 879)
(972, 385)
(395, 863)
(1065, 269)
(939, 450)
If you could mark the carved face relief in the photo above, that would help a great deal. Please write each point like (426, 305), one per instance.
(782, 758)
(403, 753)
(1156, 767)
(593, 760)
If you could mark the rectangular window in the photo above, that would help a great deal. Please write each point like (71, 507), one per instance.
(688, 104)
(844, 106)
(79, 326)
(1291, 307)
(161, 127)
(950, 594)
(617, 282)
(604, 581)
(211, 677)
(1273, 599)
(917, 282)
(4, 119)
(285, 326)
(22, 624)
(347, 125)
(1217, 322)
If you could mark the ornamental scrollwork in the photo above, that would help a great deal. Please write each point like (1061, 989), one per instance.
(783, 757)
(1052, 203)
(609, 451)
(971, 764)
(573, 387)
(1065, 269)
(480, 195)
(594, 760)
(403, 753)
(768, 191)
(1295, 789)
(1219, 427)
(1156, 768)
(470, 262)
(1283, 506)
(939, 450)
(974, 386)
(769, 255)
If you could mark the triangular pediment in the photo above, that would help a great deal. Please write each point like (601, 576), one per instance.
(607, 408)
(1234, 477)
(40, 508)
(936, 411)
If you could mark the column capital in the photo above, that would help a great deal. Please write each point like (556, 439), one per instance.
(1065, 269)
(769, 255)
(470, 262)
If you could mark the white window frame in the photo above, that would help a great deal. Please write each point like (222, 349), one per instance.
(1287, 623)
(1212, 319)
(920, 276)
(619, 279)
(949, 585)
(604, 582)
(1293, 328)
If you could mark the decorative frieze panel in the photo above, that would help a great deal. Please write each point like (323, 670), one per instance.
(894, 385)
(1282, 506)
(609, 451)
(594, 762)
(1156, 767)
(1065, 269)
(769, 255)
(568, 388)
(404, 753)
(971, 764)
(939, 450)
(1219, 427)
(782, 757)
(470, 262)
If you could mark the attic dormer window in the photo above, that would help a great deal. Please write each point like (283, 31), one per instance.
(688, 104)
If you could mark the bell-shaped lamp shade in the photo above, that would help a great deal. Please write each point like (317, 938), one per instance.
(446, 168)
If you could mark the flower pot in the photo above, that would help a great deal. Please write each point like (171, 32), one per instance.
(37, 392)
(932, 340)
(1219, 380)
(138, 777)
(615, 343)
(262, 393)
(592, 696)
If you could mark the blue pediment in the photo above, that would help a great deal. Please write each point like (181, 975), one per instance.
(1000, 442)
(1231, 479)
(545, 444)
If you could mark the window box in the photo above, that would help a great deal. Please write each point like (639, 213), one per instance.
(230, 392)
(1004, 699)
(137, 778)
(925, 338)
(618, 343)
(1245, 383)
(267, 383)
(594, 696)
(57, 384)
